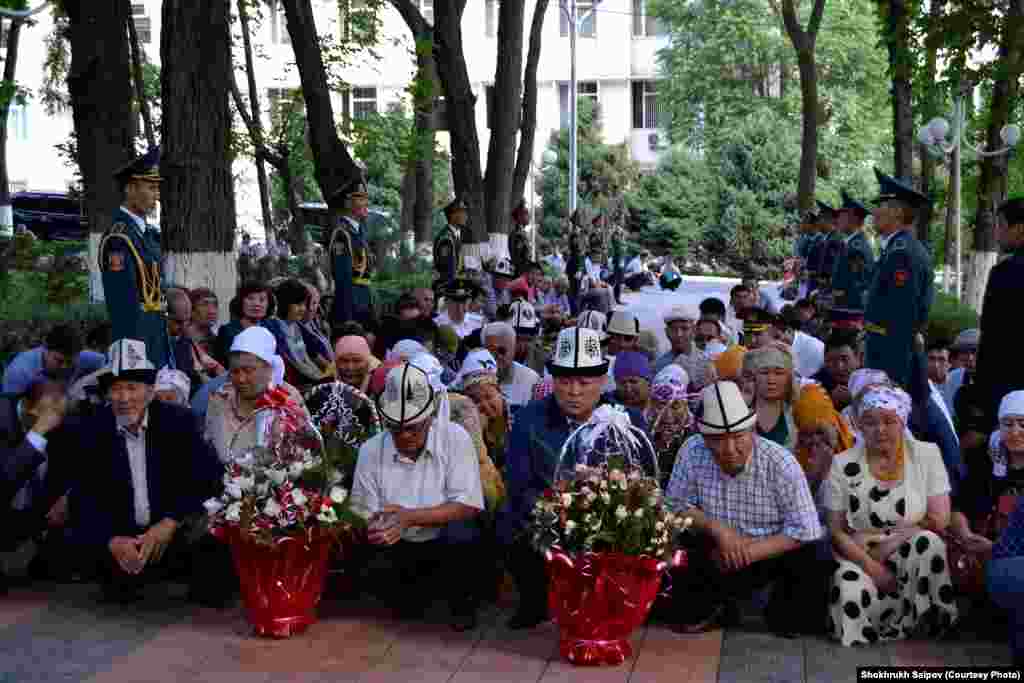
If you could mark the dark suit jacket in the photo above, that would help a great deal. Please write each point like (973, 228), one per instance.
(18, 458)
(998, 371)
(182, 471)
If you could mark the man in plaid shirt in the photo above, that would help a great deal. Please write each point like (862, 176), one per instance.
(756, 524)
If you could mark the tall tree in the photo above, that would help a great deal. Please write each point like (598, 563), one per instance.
(528, 127)
(8, 95)
(198, 207)
(896, 16)
(138, 60)
(100, 91)
(931, 100)
(334, 165)
(992, 183)
(804, 43)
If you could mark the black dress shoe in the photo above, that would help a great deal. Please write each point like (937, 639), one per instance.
(527, 618)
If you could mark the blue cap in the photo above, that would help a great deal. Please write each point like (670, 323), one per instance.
(146, 167)
(892, 188)
(851, 204)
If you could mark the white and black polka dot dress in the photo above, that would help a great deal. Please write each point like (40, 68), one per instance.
(925, 602)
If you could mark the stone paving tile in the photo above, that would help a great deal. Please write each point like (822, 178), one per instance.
(826, 660)
(674, 658)
(756, 657)
(561, 671)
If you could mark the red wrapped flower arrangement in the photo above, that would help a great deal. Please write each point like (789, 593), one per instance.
(608, 538)
(282, 510)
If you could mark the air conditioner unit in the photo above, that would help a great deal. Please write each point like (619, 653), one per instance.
(652, 142)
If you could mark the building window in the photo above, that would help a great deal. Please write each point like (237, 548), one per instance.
(143, 24)
(278, 24)
(427, 10)
(647, 114)
(584, 90)
(586, 18)
(364, 102)
(491, 18)
(358, 20)
(17, 122)
(644, 25)
(281, 100)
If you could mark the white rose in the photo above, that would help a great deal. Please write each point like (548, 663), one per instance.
(659, 526)
(586, 491)
(604, 483)
(234, 512)
(621, 512)
(338, 495)
(233, 489)
(295, 470)
(213, 506)
(334, 476)
(569, 526)
(328, 516)
(638, 513)
(272, 508)
(277, 476)
(246, 483)
(566, 499)
(634, 474)
(299, 498)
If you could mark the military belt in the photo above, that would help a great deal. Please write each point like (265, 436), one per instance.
(364, 281)
(876, 329)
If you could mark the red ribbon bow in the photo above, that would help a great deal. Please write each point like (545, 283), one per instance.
(275, 398)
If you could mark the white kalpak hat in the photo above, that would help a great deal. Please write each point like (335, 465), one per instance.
(593, 320)
(261, 343)
(175, 380)
(128, 362)
(578, 354)
(624, 323)
(408, 396)
(524, 319)
(682, 312)
(725, 411)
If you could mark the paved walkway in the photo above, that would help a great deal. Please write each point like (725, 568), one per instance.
(65, 635)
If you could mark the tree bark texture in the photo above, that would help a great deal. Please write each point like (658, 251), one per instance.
(333, 163)
(992, 181)
(9, 84)
(528, 129)
(929, 162)
(198, 201)
(138, 81)
(804, 43)
(422, 162)
(901, 69)
(100, 89)
(506, 115)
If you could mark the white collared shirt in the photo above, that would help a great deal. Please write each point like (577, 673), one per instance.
(883, 242)
(135, 446)
(440, 475)
(139, 221)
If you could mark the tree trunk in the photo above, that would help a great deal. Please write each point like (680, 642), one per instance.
(198, 212)
(9, 86)
(992, 181)
(140, 85)
(256, 129)
(953, 217)
(901, 70)
(100, 89)
(460, 102)
(804, 42)
(528, 129)
(331, 159)
(931, 108)
(423, 154)
(506, 116)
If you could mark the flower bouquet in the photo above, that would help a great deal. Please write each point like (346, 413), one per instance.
(282, 510)
(607, 536)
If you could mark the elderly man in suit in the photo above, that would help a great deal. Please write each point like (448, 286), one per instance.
(139, 505)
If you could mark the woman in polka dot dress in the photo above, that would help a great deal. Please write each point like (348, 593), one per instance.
(887, 498)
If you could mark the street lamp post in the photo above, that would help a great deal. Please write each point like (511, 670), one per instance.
(573, 18)
(933, 137)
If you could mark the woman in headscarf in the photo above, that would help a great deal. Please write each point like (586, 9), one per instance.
(256, 378)
(888, 504)
(478, 379)
(774, 393)
(633, 375)
(860, 381)
(821, 434)
(314, 331)
(668, 417)
(253, 304)
(172, 386)
(301, 369)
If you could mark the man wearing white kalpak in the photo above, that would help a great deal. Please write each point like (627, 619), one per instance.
(413, 480)
(515, 379)
(756, 524)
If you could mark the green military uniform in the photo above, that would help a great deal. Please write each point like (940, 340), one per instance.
(854, 264)
(129, 263)
(352, 265)
(815, 243)
(899, 299)
(518, 244)
(448, 260)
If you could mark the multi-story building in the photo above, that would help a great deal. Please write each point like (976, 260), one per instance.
(616, 66)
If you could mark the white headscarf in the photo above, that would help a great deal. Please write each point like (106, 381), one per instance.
(260, 342)
(405, 349)
(477, 362)
(174, 380)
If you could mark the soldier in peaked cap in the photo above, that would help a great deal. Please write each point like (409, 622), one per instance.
(855, 262)
(448, 245)
(805, 243)
(350, 258)
(1000, 337)
(574, 267)
(901, 290)
(518, 244)
(831, 248)
(130, 264)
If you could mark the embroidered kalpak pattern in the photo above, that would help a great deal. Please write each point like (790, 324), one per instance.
(592, 348)
(564, 348)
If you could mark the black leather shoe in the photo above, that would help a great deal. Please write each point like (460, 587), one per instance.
(527, 618)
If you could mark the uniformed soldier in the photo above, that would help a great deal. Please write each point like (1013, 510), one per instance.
(574, 267)
(518, 244)
(618, 275)
(998, 372)
(831, 246)
(856, 261)
(901, 290)
(805, 245)
(129, 260)
(350, 257)
(448, 245)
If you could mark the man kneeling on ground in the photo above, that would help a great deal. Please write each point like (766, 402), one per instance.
(756, 519)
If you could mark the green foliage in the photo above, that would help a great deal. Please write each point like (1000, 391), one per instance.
(606, 172)
(948, 317)
(289, 130)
